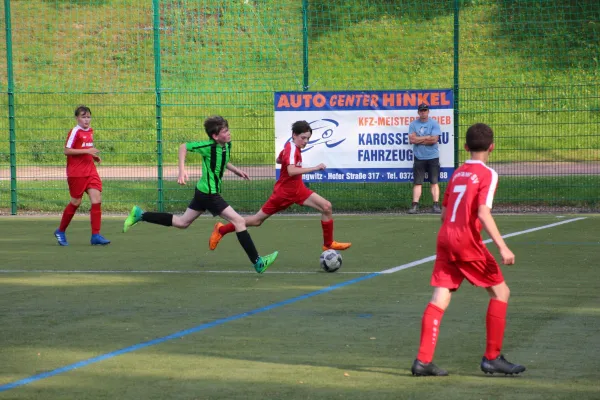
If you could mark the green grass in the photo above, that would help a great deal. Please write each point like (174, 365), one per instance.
(529, 69)
(515, 194)
(356, 342)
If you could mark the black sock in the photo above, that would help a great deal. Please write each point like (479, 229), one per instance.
(435, 203)
(165, 219)
(248, 245)
(415, 203)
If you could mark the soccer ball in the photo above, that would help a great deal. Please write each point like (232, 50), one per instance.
(331, 260)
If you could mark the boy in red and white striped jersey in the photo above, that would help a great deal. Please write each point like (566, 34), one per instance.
(82, 177)
(461, 254)
(290, 189)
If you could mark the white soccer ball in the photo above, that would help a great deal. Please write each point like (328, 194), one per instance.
(331, 260)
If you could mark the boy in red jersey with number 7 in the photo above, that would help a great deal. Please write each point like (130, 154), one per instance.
(82, 177)
(289, 189)
(462, 254)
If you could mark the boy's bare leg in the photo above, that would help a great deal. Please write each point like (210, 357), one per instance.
(441, 297)
(256, 219)
(185, 220)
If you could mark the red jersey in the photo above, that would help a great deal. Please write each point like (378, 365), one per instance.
(83, 164)
(471, 185)
(288, 186)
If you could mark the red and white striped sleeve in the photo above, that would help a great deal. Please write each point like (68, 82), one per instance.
(288, 156)
(487, 188)
(71, 139)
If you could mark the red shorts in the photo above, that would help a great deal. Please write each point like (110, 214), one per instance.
(79, 185)
(450, 274)
(278, 203)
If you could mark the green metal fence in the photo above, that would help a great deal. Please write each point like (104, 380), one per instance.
(152, 70)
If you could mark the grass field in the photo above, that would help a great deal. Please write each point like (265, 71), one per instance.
(515, 194)
(194, 324)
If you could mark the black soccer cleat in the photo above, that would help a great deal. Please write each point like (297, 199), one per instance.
(500, 365)
(430, 369)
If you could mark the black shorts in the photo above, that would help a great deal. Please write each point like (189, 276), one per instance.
(214, 203)
(432, 167)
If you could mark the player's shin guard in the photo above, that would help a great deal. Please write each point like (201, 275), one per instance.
(327, 232)
(248, 245)
(96, 218)
(67, 216)
(495, 322)
(165, 219)
(430, 330)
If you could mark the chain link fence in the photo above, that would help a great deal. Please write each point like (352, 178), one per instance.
(152, 70)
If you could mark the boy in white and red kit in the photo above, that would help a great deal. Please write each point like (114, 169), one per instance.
(82, 177)
(461, 254)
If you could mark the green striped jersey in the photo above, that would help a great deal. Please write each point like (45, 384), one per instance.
(214, 159)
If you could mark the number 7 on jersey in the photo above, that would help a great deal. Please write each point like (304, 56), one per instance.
(460, 189)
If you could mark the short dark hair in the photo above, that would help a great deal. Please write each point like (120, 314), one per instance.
(81, 109)
(479, 137)
(213, 125)
(299, 127)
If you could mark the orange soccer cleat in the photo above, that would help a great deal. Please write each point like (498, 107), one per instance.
(215, 236)
(337, 246)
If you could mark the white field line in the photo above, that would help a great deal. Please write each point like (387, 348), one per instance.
(386, 271)
(52, 271)
(431, 258)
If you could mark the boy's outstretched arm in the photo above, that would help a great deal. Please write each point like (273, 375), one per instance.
(485, 216)
(293, 170)
(183, 176)
(237, 171)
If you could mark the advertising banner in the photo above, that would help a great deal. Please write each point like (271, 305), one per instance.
(362, 136)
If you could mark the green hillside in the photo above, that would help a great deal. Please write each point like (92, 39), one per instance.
(530, 69)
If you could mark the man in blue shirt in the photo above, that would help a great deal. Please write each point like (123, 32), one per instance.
(424, 134)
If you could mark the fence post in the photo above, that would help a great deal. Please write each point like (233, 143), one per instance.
(456, 84)
(305, 45)
(305, 51)
(11, 110)
(158, 94)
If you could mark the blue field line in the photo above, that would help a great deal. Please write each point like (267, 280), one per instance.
(562, 243)
(222, 321)
(179, 334)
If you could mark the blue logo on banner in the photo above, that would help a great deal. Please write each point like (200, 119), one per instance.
(323, 131)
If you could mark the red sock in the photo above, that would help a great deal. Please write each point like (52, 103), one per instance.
(67, 216)
(327, 232)
(430, 330)
(96, 217)
(225, 229)
(495, 322)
